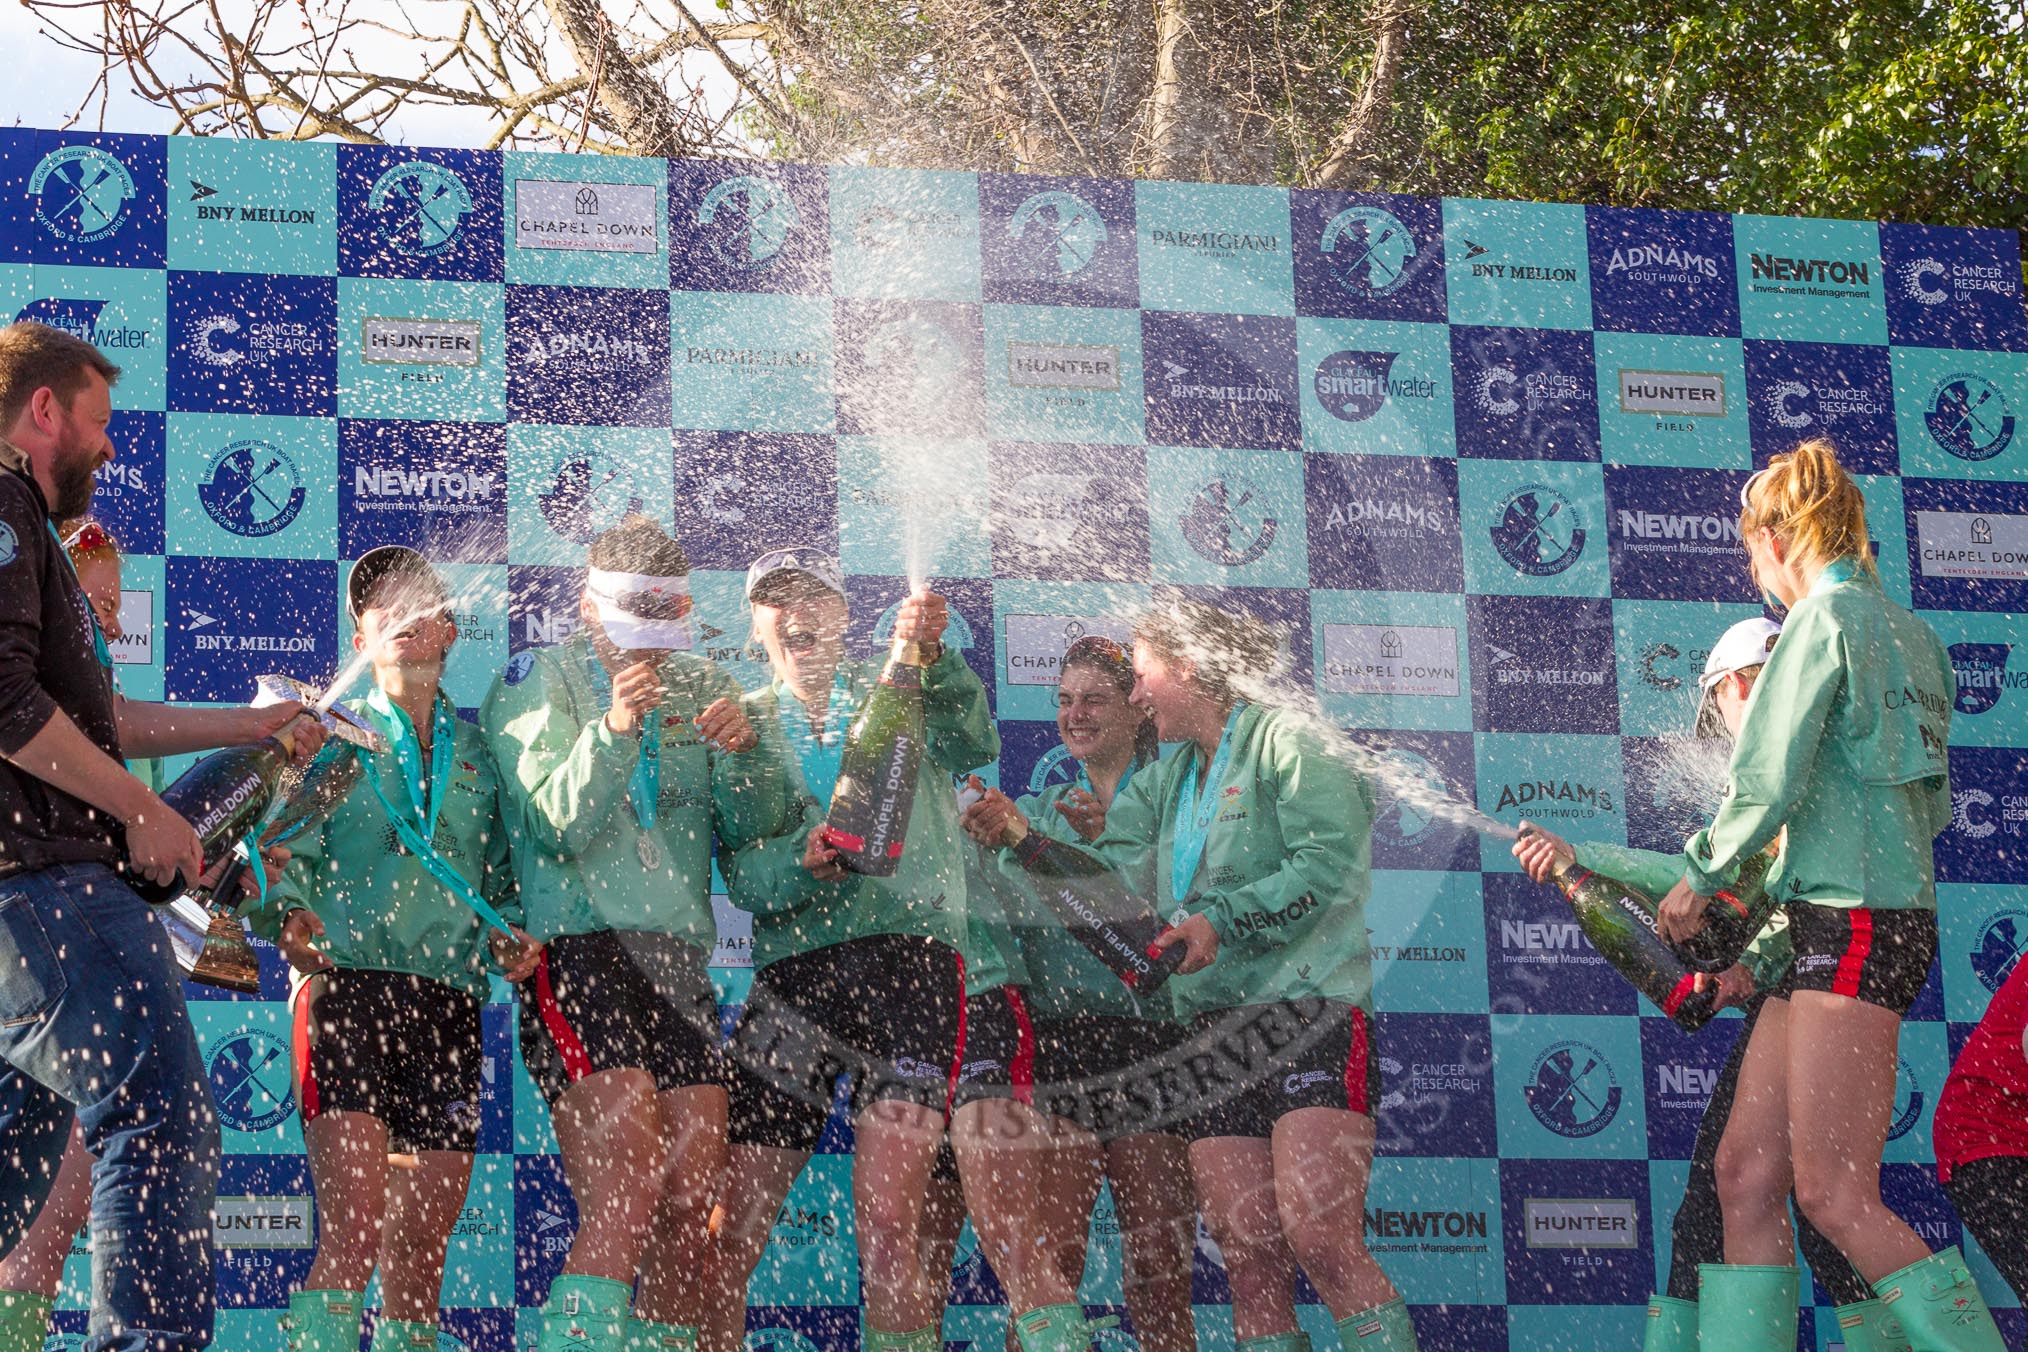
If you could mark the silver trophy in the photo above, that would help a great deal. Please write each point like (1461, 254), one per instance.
(207, 939)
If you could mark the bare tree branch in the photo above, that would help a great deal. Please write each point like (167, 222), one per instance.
(1353, 154)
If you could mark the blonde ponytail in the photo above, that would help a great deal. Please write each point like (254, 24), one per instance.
(1811, 504)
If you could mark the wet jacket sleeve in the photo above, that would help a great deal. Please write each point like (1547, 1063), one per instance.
(499, 885)
(959, 721)
(295, 889)
(767, 877)
(749, 791)
(25, 707)
(1771, 953)
(1940, 786)
(565, 779)
(1776, 751)
(1652, 872)
(1325, 812)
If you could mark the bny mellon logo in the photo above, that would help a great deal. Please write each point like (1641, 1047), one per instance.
(200, 191)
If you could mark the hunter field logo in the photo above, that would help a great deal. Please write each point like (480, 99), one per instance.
(1081, 366)
(2001, 941)
(1969, 417)
(284, 1222)
(1539, 533)
(1582, 1223)
(249, 1071)
(584, 217)
(747, 220)
(1352, 386)
(1228, 523)
(1574, 1091)
(1381, 659)
(1673, 394)
(1982, 675)
(86, 319)
(252, 488)
(82, 194)
(420, 342)
(1369, 250)
(1059, 233)
(419, 208)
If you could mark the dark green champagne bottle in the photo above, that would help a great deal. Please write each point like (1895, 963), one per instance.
(1619, 919)
(868, 818)
(1115, 927)
(1736, 914)
(222, 796)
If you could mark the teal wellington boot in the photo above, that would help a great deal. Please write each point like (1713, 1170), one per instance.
(1276, 1342)
(1939, 1305)
(403, 1335)
(929, 1338)
(1746, 1308)
(24, 1320)
(1053, 1328)
(1866, 1326)
(1384, 1328)
(1672, 1325)
(585, 1314)
(645, 1335)
(324, 1321)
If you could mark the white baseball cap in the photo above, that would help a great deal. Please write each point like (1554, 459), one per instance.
(641, 611)
(809, 562)
(1746, 644)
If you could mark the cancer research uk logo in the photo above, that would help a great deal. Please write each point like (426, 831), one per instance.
(1573, 1089)
(249, 1070)
(419, 208)
(746, 220)
(82, 194)
(1969, 417)
(1540, 531)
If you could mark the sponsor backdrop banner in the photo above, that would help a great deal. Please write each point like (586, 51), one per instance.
(1481, 459)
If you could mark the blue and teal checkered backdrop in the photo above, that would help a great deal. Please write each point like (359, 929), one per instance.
(1482, 459)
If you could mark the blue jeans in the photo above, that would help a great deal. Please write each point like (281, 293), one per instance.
(92, 1021)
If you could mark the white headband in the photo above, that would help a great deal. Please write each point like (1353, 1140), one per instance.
(613, 586)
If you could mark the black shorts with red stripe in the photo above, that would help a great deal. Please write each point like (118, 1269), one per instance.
(1250, 1066)
(1113, 1075)
(887, 1010)
(1881, 957)
(620, 1000)
(999, 1060)
(396, 1046)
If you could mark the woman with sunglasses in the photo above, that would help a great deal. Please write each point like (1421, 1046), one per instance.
(1097, 1112)
(1844, 745)
(625, 757)
(1263, 840)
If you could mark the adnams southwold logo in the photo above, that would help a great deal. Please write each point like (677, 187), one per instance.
(252, 488)
(87, 319)
(575, 216)
(747, 220)
(1036, 643)
(249, 1070)
(1352, 386)
(1581, 1223)
(1540, 532)
(1932, 281)
(419, 208)
(1573, 1091)
(1555, 797)
(1390, 659)
(1229, 522)
(2002, 940)
(1059, 233)
(1662, 264)
(82, 194)
(1369, 250)
(1969, 417)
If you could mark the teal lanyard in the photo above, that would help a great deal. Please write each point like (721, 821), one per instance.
(1084, 780)
(819, 754)
(1836, 571)
(1195, 812)
(427, 799)
(105, 654)
(408, 825)
(644, 790)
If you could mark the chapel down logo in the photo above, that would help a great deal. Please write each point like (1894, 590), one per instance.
(1369, 250)
(419, 208)
(749, 219)
(1574, 1091)
(1059, 234)
(574, 216)
(82, 194)
(1228, 522)
(252, 488)
(1540, 532)
(1969, 417)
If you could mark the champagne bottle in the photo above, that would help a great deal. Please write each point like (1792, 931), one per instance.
(1736, 914)
(868, 817)
(1113, 926)
(1619, 919)
(222, 796)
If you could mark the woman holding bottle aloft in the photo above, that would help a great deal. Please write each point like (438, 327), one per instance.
(1100, 1048)
(1844, 745)
(853, 974)
(1697, 1236)
(380, 916)
(625, 757)
(1263, 840)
